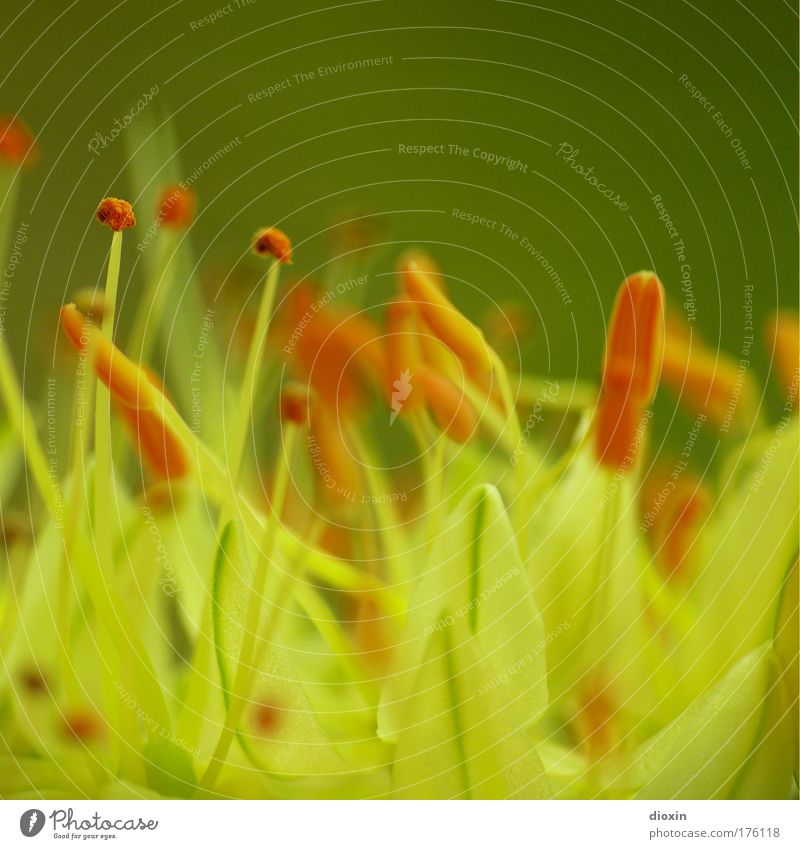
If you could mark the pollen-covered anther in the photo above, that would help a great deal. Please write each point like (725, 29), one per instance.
(116, 214)
(294, 401)
(17, 145)
(270, 241)
(176, 207)
(444, 319)
(635, 345)
(633, 358)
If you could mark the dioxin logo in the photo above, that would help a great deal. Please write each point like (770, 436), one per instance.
(31, 822)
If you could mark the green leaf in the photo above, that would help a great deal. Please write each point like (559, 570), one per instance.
(750, 547)
(280, 733)
(700, 753)
(489, 679)
(461, 741)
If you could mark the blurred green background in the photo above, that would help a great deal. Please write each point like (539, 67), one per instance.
(609, 79)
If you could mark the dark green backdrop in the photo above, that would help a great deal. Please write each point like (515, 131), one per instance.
(622, 83)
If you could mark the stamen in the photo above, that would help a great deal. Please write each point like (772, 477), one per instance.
(17, 146)
(678, 517)
(294, 404)
(176, 207)
(708, 382)
(137, 392)
(403, 357)
(634, 353)
(447, 322)
(116, 214)
(635, 339)
(452, 411)
(783, 337)
(271, 240)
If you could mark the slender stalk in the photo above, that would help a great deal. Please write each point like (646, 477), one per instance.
(104, 500)
(252, 372)
(146, 324)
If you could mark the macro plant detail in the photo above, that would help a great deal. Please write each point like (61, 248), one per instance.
(272, 605)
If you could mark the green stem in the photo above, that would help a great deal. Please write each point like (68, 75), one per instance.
(252, 372)
(146, 324)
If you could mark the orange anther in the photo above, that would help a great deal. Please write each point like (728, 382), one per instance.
(446, 322)
(452, 411)
(783, 338)
(274, 242)
(16, 142)
(635, 342)
(176, 207)
(116, 214)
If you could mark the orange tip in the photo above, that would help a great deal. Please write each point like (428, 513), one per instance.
(176, 207)
(444, 319)
(635, 344)
(270, 241)
(116, 214)
(17, 145)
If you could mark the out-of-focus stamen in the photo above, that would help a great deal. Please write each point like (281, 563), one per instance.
(634, 352)
(17, 146)
(453, 413)
(635, 342)
(176, 207)
(447, 322)
(707, 382)
(783, 338)
(272, 241)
